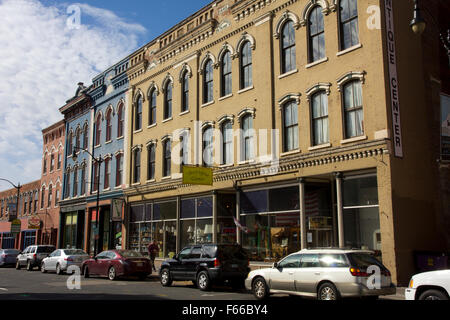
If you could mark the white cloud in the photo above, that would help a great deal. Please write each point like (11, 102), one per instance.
(41, 61)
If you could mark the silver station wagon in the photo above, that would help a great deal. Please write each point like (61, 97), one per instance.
(325, 274)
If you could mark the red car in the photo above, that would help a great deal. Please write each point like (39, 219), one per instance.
(117, 263)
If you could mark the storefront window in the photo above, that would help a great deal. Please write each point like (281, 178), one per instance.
(195, 229)
(226, 231)
(8, 241)
(70, 230)
(361, 213)
(254, 202)
(319, 216)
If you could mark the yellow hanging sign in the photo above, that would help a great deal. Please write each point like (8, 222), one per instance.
(198, 175)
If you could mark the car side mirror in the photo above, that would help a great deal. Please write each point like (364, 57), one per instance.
(176, 257)
(275, 265)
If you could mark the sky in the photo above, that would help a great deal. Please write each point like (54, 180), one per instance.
(47, 47)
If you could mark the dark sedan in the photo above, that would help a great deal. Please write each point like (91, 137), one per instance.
(117, 263)
(8, 256)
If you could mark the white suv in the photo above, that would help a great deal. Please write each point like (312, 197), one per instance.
(325, 274)
(433, 285)
(32, 256)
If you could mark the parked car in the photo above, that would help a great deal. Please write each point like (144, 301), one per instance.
(60, 260)
(117, 263)
(32, 256)
(206, 264)
(325, 274)
(8, 256)
(432, 285)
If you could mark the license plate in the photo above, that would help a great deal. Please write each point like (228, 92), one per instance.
(234, 266)
(139, 264)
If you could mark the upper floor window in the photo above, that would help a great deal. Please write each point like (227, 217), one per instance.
(137, 166)
(119, 169)
(52, 162)
(44, 166)
(184, 151)
(247, 137)
(348, 18)
(353, 109)
(56, 197)
(120, 121)
(152, 108)
(107, 173)
(85, 137)
(42, 197)
(185, 92)
(226, 74)
(151, 156)
(208, 82)
(290, 126)
(75, 182)
(246, 66)
(50, 195)
(83, 180)
(70, 143)
(98, 130)
(138, 114)
(58, 166)
(227, 142)
(66, 188)
(108, 125)
(288, 47)
(208, 146)
(320, 125)
(96, 177)
(316, 35)
(167, 158)
(77, 139)
(168, 100)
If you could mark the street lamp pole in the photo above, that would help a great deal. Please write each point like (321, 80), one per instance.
(98, 162)
(18, 187)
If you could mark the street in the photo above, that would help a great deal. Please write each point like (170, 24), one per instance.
(34, 285)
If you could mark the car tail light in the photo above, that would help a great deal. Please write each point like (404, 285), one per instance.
(34, 256)
(68, 259)
(358, 273)
(386, 273)
(216, 263)
(4, 255)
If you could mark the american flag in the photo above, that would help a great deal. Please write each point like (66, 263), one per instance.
(312, 203)
(239, 225)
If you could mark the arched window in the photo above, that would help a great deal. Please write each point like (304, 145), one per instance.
(208, 82)
(185, 92)
(78, 139)
(316, 34)
(75, 182)
(42, 197)
(348, 20)
(227, 142)
(288, 47)
(108, 125)
(95, 177)
(67, 187)
(247, 137)
(85, 137)
(70, 143)
(98, 130)
(208, 146)
(44, 165)
(107, 173)
(151, 156)
(319, 112)
(167, 158)
(353, 109)
(120, 121)
(83, 180)
(137, 166)
(290, 126)
(138, 114)
(184, 151)
(50, 195)
(119, 169)
(168, 100)
(226, 74)
(152, 108)
(246, 65)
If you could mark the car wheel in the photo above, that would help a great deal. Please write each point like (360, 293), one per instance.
(86, 272)
(29, 266)
(433, 295)
(43, 270)
(58, 270)
(203, 281)
(17, 265)
(327, 291)
(260, 289)
(112, 274)
(166, 280)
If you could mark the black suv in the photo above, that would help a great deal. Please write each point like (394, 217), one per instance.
(206, 264)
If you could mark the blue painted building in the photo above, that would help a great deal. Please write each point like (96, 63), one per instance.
(77, 116)
(109, 123)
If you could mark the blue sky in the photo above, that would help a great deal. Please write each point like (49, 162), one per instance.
(39, 72)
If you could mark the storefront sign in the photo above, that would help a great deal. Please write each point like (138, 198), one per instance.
(445, 127)
(197, 175)
(34, 223)
(117, 207)
(320, 223)
(16, 226)
(393, 81)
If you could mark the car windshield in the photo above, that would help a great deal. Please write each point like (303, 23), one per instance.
(72, 252)
(45, 249)
(130, 254)
(11, 251)
(232, 252)
(363, 260)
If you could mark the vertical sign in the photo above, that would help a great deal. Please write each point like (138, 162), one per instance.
(393, 81)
